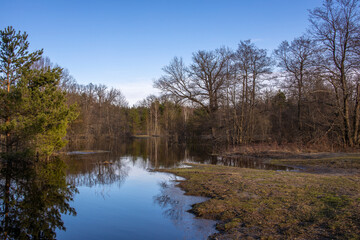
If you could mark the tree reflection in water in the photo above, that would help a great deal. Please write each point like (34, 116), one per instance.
(173, 208)
(33, 196)
(176, 207)
(96, 170)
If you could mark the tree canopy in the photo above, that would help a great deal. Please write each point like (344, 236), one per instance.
(34, 112)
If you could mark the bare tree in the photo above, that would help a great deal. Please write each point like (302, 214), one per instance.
(251, 64)
(176, 82)
(335, 26)
(208, 73)
(202, 83)
(297, 59)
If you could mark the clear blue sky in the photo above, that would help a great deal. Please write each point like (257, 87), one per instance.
(124, 44)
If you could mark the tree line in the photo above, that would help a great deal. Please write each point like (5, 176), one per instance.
(306, 92)
(102, 113)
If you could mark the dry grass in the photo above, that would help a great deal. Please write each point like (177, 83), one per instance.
(268, 204)
(343, 162)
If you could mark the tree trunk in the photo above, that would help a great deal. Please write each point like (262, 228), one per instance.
(300, 99)
(356, 115)
(346, 118)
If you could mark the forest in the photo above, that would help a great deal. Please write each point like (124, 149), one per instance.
(305, 93)
(241, 142)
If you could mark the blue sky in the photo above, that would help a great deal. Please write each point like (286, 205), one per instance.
(124, 44)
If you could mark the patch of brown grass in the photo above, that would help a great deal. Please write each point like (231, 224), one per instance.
(345, 162)
(275, 205)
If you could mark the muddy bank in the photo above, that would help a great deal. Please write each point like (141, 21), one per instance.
(340, 164)
(257, 204)
(322, 163)
(268, 155)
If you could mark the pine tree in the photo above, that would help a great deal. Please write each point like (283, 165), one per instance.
(14, 58)
(34, 114)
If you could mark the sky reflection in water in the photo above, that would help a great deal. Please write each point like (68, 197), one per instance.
(120, 199)
(110, 194)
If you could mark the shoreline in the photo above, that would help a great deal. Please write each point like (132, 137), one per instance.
(252, 203)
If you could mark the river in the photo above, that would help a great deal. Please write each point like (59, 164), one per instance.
(108, 191)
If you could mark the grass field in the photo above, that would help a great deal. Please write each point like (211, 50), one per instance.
(253, 204)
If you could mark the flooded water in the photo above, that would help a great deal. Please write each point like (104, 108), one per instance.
(108, 192)
(247, 162)
(120, 199)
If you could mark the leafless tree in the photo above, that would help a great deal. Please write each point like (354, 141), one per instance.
(201, 83)
(297, 60)
(251, 65)
(336, 28)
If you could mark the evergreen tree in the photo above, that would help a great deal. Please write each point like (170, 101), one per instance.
(34, 114)
(45, 114)
(14, 56)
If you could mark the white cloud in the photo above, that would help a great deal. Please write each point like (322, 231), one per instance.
(137, 90)
(256, 40)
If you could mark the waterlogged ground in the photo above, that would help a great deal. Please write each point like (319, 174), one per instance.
(320, 200)
(112, 192)
(120, 199)
(325, 163)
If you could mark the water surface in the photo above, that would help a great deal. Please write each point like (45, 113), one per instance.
(120, 199)
(107, 191)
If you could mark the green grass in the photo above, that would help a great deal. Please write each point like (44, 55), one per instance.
(267, 204)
